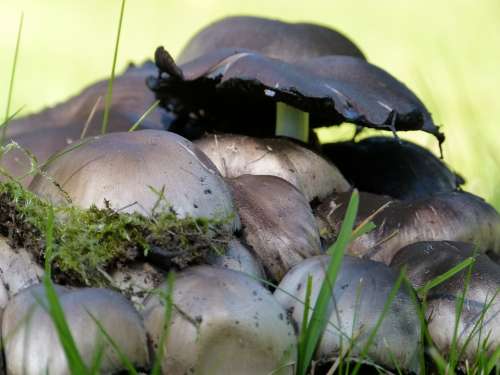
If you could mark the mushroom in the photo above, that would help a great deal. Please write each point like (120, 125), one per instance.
(452, 216)
(223, 322)
(479, 320)
(236, 155)
(389, 166)
(360, 292)
(31, 340)
(51, 130)
(277, 221)
(141, 171)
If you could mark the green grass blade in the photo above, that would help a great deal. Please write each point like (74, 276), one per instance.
(11, 117)
(305, 321)
(144, 115)
(109, 94)
(319, 318)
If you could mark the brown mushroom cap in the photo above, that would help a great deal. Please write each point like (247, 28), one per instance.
(277, 222)
(126, 168)
(224, 323)
(273, 38)
(424, 261)
(451, 216)
(236, 155)
(389, 166)
(360, 292)
(32, 344)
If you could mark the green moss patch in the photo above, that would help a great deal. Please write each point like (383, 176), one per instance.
(88, 243)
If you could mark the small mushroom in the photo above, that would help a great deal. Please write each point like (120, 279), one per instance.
(389, 166)
(236, 155)
(140, 171)
(452, 216)
(32, 344)
(277, 221)
(223, 322)
(480, 317)
(361, 290)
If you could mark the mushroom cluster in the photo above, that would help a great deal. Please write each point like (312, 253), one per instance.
(231, 149)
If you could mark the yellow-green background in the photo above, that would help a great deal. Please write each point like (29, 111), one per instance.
(446, 51)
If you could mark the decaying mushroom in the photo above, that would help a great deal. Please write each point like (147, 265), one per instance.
(358, 298)
(223, 322)
(479, 322)
(32, 344)
(389, 166)
(140, 171)
(236, 155)
(277, 221)
(453, 216)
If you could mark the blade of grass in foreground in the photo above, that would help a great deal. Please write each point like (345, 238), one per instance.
(319, 318)
(144, 115)
(109, 94)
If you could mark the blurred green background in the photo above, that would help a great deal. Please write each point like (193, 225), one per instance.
(448, 52)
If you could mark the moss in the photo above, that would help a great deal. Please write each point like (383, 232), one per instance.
(88, 243)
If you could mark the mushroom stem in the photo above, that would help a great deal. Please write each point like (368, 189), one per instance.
(292, 122)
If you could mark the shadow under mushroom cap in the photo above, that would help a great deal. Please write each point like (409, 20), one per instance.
(237, 89)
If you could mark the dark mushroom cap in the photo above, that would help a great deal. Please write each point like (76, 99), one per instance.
(277, 221)
(424, 261)
(236, 155)
(358, 297)
(236, 91)
(389, 166)
(273, 38)
(454, 216)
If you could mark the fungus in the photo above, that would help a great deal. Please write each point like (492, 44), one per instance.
(32, 343)
(453, 216)
(393, 167)
(277, 221)
(223, 323)
(361, 290)
(236, 155)
(479, 320)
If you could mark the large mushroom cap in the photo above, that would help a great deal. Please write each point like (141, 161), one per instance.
(424, 261)
(273, 38)
(451, 216)
(236, 155)
(358, 298)
(277, 222)
(393, 167)
(223, 323)
(130, 171)
(32, 344)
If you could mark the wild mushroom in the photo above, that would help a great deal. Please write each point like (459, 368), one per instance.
(453, 216)
(236, 155)
(358, 298)
(223, 322)
(277, 221)
(479, 320)
(32, 344)
(393, 167)
(141, 171)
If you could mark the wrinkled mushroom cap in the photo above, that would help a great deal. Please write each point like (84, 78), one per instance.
(361, 289)
(223, 323)
(273, 38)
(277, 222)
(32, 344)
(236, 155)
(424, 261)
(130, 170)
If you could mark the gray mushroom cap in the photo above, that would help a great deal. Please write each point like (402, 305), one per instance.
(360, 292)
(453, 216)
(277, 221)
(223, 323)
(236, 155)
(424, 261)
(32, 345)
(130, 170)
